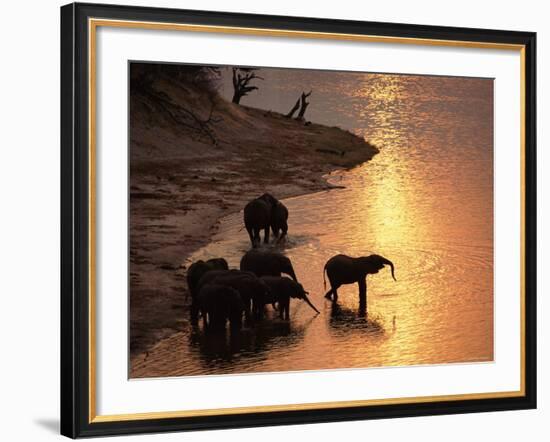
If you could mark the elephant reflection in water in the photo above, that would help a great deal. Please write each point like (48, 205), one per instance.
(220, 351)
(344, 321)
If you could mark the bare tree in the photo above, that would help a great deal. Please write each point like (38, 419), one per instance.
(302, 104)
(294, 109)
(241, 82)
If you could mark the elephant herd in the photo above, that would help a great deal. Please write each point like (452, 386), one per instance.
(220, 295)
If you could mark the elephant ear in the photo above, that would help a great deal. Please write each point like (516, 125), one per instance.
(375, 263)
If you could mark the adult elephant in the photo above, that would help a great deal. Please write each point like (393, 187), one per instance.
(281, 290)
(257, 217)
(267, 263)
(253, 290)
(195, 273)
(343, 269)
(218, 304)
(279, 221)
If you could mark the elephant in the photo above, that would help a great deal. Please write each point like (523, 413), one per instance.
(253, 290)
(267, 263)
(195, 273)
(343, 269)
(199, 268)
(257, 217)
(281, 290)
(279, 221)
(218, 304)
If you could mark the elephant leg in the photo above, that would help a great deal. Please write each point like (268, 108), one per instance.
(335, 293)
(287, 309)
(266, 235)
(260, 311)
(247, 309)
(194, 313)
(235, 323)
(204, 320)
(257, 238)
(255, 310)
(362, 294)
(282, 231)
(251, 235)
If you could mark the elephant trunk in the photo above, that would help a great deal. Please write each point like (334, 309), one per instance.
(388, 262)
(310, 304)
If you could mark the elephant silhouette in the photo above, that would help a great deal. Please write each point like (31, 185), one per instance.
(267, 263)
(279, 221)
(253, 290)
(257, 217)
(195, 273)
(343, 269)
(281, 290)
(219, 304)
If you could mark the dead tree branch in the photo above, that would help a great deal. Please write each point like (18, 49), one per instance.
(303, 105)
(185, 117)
(241, 82)
(293, 110)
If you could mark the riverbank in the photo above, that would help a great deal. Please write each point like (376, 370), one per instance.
(195, 158)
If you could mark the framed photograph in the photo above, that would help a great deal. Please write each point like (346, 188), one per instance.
(279, 220)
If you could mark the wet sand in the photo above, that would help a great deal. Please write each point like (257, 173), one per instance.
(182, 181)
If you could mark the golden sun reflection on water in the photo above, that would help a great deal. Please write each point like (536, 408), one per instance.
(425, 202)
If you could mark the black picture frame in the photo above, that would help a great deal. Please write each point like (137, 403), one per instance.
(75, 326)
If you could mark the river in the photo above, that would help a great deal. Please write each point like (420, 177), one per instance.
(425, 202)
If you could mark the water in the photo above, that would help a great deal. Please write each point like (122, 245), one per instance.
(425, 202)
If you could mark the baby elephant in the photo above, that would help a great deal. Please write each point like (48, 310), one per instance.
(279, 221)
(281, 290)
(343, 269)
(219, 304)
